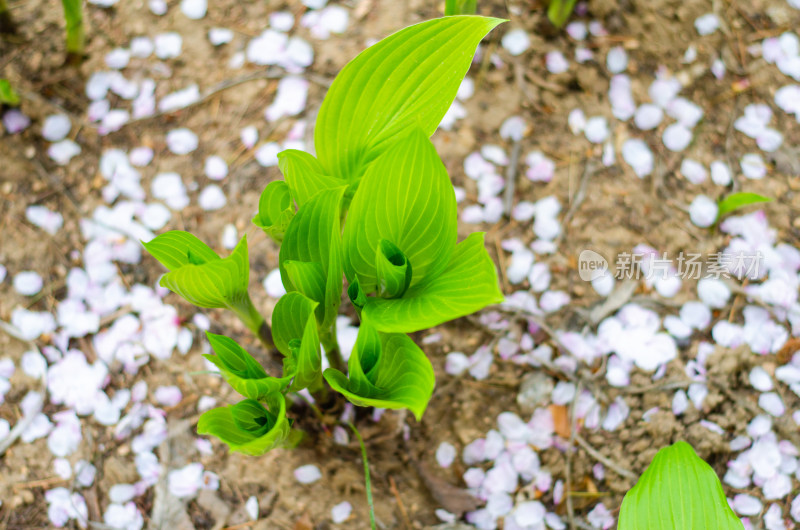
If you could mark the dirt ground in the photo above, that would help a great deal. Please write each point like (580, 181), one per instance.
(618, 212)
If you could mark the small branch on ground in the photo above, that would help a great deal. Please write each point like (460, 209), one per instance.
(272, 73)
(573, 432)
(594, 453)
(511, 178)
(403, 511)
(576, 200)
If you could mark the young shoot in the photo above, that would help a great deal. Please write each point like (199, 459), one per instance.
(559, 11)
(76, 39)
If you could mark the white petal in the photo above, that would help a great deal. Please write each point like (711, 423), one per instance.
(706, 24)
(307, 474)
(341, 512)
(56, 127)
(212, 198)
(194, 9)
(556, 63)
(516, 41)
(617, 60)
(703, 211)
(168, 45)
(181, 141)
(676, 137)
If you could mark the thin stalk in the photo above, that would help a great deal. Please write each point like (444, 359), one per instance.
(250, 317)
(76, 38)
(320, 392)
(6, 22)
(332, 352)
(366, 475)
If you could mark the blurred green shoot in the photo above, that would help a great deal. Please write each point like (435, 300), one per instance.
(559, 11)
(8, 96)
(458, 7)
(735, 201)
(76, 38)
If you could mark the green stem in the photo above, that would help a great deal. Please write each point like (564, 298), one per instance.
(366, 475)
(76, 38)
(250, 317)
(321, 393)
(332, 351)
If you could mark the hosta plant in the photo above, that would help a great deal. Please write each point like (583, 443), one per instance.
(371, 219)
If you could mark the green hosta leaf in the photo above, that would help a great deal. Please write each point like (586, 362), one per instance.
(8, 96)
(241, 371)
(393, 270)
(678, 491)
(408, 79)
(407, 199)
(460, 7)
(308, 279)
(172, 249)
(275, 210)
(313, 237)
(294, 330)
(386, 371)
(200, 276)
(248, 427)
(357, 296)
(305, 175)
(734, 201)
(213, 283)
(559, 11)
(468, 284)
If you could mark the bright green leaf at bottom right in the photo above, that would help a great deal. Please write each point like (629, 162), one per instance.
(678, 491)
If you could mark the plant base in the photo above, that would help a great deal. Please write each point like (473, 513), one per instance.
(74, 59)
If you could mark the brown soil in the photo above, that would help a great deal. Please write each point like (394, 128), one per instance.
(619, 212)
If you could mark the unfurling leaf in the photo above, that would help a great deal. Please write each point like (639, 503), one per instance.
(275, 210)
(734, 201)
(241, 371)
(678, 491)
(305, 176)
(386, 371)
(248, 427)
(200, 276)
(405, 198)
(172, 249)
(405, 210)
(393, 270)
(468, 284)
(294, 330)
(357, 296)
(310, 258)
(407, 80)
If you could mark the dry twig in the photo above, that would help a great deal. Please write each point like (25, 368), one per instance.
(597, 455)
